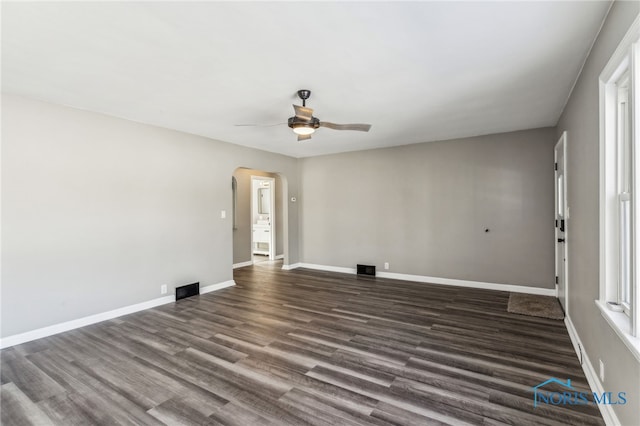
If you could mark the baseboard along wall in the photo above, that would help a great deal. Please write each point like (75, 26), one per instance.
(250, 262)
(608, 414)
(39, 333)
(432, 280)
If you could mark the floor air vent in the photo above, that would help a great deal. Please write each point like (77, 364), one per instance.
(187, 291)
(366, 270)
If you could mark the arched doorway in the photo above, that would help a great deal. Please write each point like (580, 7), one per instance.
(259, 227)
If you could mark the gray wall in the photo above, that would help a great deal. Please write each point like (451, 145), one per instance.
(242, 233)
(424, 209)
(98, 212)
(580, 119)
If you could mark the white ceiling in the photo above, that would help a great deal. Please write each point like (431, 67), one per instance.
(416, 71)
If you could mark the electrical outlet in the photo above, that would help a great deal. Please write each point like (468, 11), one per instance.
(163, 289)
(601, 370)
(386, 265)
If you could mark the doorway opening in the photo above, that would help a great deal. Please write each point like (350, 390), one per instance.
(259, 217)
(263, 214)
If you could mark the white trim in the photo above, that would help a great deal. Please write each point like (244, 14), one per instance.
(242, 264)
(469, 284)
(339, 269)
(565, 208)
(623, 56)
(629, 38)
(635, 205)
(278, 257)
(621, 325)
(219, 286)
(39, 333)
(292, 266)
(608, 414)
(437, 280)
(605, 156)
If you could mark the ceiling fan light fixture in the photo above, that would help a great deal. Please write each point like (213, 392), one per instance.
(303, 129)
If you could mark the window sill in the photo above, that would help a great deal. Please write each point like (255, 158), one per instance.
(622, 326)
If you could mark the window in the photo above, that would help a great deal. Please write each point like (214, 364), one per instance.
(619, 179)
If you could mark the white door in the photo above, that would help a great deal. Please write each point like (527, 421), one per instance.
(561, 220)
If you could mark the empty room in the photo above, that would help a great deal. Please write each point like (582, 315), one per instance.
(320, 213)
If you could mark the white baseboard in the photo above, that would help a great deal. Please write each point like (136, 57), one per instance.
(250, 262)
(608, 414)
(471, 284)
(39, 333)
(436, 280)
(292, 266)
(339, 269)
(219, 286)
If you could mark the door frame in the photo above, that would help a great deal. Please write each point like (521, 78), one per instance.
(565, 245)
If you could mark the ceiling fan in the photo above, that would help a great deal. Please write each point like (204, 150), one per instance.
(304, 124)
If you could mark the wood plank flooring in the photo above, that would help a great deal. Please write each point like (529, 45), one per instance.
(300, 347)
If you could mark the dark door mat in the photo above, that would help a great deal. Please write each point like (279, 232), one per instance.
(535, 306)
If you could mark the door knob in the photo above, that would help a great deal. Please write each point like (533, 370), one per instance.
(561, 240)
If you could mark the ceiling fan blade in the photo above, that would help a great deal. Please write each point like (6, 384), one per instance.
(258, 125)
(334, 126)
(303, 137)
(303, 113)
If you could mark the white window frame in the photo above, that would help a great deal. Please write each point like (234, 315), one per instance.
(626, 59)
(625, 192)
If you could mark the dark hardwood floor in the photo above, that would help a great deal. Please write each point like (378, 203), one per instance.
(301, 347)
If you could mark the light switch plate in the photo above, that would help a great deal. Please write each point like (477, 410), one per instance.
(223, 214)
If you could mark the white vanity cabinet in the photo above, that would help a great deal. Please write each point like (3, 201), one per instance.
(261, 239)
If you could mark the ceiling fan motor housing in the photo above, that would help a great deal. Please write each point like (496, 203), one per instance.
(294, 122)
